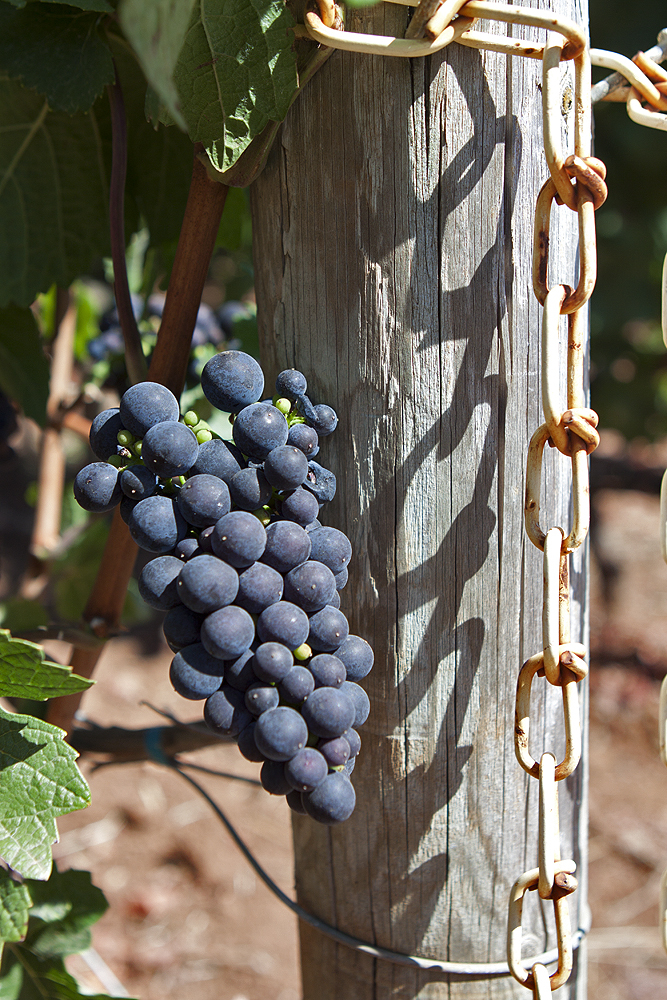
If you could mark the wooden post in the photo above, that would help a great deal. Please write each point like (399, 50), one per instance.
(392, 233)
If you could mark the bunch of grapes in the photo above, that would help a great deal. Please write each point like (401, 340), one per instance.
(247, 574)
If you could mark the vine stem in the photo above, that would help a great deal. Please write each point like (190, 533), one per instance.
(134, 355)
(201, 221)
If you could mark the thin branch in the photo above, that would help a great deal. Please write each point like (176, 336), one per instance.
(423, 13)
(203, 212)
(134, 356)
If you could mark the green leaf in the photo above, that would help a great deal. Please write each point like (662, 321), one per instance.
(39, 781)
(236, 72)
(25, 673)
(14, 904)
(58, 51)
(24, 976)
(156, 30)
(63, 910)
(100, 5)
(24, 370)
(53, 195)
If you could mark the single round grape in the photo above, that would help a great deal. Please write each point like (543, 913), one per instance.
(218, 458)
(272, 777)
(228, 632)
(306, 770)
(327, 670)
(293, 800)
(158, 582)
(280, 733)
(104, 431)
(304, 438)
(326, 420)
(207, 584)
(187, 548)
(126, 506)
(239, 673)
(146, 404)
(194, 674)
(333, 800)
(357, 656)
(286, 467)
(205, 543)
(285, 623)
(259, 588)
(232, 380)
(296, 686)
(332, 547)
(328, 628)
(328, 712)
(238, 538)
(181, 627)
(259, 698)
(96, 487)
(156, 524)
(341, 578)
(311, 586)
(287, 546)
(225, 712)
(258, 429)
(321, 482)
(360, 700)
(250, 489)
(335, 752)
(138, 482)
(169, 449)
(299, 506)
(272, 662)
(203, 500)
(354, 740)
(291, 383)
(247, 745)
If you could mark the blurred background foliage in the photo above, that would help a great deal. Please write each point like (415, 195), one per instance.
(629, 361)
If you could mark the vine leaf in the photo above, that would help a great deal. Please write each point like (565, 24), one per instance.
(156, 30)
(63, 910)
(24, 370)
(39, 781)
(14, 904)
(25, 673)
(24, 976)
(58, 51)
(236, 72)
(100, 5)
(53, 194)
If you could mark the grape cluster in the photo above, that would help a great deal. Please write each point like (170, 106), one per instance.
(247, 575)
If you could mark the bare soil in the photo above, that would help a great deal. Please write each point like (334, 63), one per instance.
(189, 918)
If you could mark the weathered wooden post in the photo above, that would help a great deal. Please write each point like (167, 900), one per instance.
(393, 231)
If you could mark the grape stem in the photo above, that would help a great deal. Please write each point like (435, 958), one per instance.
(134, 355)
(201, 221)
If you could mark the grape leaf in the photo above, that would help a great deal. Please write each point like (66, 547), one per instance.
(14, 904)
(58, 51)
(39, 781)
(24, 976)
(156, 30)
(25, 673)
(100, 5)
(64, 907)
(235, 73)
(24, 370)
(53, 194)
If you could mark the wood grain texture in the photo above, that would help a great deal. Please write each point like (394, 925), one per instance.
(392, 238)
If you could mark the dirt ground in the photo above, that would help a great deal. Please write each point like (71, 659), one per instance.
(189, 918)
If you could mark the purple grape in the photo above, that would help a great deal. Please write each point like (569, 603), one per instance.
(333, 800)
(280, 733)
(306, 770)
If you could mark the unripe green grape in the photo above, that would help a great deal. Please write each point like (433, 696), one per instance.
(203, 436)
(303, 652)
(125, 438)
(191, 419)
(284, 405)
